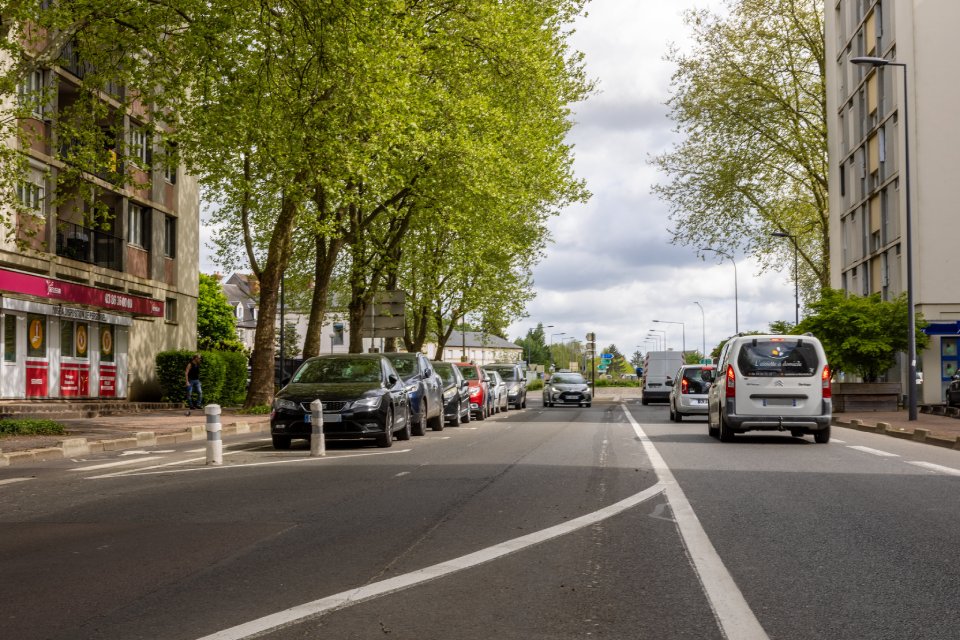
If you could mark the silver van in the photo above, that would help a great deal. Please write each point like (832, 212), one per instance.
(770, 382)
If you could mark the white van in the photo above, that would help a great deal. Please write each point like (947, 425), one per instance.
(658, 367)
(771, 382)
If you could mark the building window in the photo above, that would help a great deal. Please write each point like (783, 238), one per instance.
(9, 338)
(31, 195)
(170, 236)
(170, 310)
(139, 149)
(30, 93)
(137, 227)
(106, 343)
(171, 161)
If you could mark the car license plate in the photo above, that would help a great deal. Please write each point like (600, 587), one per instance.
(327, 417)
(779, 402)
(699, 401)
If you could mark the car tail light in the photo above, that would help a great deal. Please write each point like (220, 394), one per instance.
(684, 385)
(731, 382)
(825, 379)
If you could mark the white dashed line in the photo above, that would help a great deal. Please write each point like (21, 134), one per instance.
(121, 463)
(876, 452)
(950, 471)
(12, 480)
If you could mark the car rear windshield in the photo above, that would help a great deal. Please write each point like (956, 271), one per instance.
(778, 358)
(695, 381)
(507, 373)
(445, 371)
(405, 365)
(334, 370)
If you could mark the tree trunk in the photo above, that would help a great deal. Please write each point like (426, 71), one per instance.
(326, 259)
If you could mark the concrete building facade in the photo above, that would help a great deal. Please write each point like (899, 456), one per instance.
(85, 307)
(866, 113)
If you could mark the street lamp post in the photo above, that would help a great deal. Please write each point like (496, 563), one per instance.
(703, 327)
(736, 295)
(664, 337)
(796, 273)
(911, 317)
(683, 335)
(655, 339)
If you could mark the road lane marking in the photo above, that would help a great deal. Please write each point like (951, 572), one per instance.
(139, 472)
(735, 617)
(837, 441)
(12, 480)
(346, 599)
(121, 463)
(936, 467)
(876, 452)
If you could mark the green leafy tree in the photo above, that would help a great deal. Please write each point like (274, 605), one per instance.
(749, 100)
(636, 360)
(861, 334)
(216, 319)
(535, 345)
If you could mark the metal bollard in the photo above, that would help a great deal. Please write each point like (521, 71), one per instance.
(318, 446)
(214, 442)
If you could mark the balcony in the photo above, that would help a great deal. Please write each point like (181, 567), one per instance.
(89, 245)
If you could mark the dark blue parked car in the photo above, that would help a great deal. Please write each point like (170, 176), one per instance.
(423, 390)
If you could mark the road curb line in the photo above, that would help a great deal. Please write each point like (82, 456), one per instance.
(884, 428)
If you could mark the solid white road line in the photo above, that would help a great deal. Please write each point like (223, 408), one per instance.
(122, 463)
(12, 480)
(398, 583)
(936, 467)
(876, 452)
(737, 621)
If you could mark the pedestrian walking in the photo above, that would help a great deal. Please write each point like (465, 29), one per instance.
(192, 377)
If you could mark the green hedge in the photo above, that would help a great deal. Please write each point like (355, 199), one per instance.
(223, 376)
(30, 427)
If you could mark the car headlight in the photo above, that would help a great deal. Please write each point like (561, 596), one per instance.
(288, 405)
(514, 388)
(411, 389)
(368, 403)
(449, 393)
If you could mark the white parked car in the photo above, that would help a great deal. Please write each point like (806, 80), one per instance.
(773, 383)
(498, 391)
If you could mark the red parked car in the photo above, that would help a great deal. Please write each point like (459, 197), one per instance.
(480, 400)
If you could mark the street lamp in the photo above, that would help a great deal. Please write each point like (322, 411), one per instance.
(875, 62)
(652, 337)
(796, 279)
(703, 327)
(736, 310)
(683, 334)
(664, 337)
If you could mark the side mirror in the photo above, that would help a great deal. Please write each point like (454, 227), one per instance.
(426, 373)
(669, 382)
(392, 379)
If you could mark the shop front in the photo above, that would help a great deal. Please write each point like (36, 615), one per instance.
(74, 349)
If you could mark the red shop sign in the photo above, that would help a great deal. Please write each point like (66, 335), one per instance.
(16, 282)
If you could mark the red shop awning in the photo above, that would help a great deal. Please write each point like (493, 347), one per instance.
(32, 285)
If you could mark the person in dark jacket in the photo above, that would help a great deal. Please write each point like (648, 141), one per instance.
(192, 377)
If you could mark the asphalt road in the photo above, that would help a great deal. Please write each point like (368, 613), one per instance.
(608, 522)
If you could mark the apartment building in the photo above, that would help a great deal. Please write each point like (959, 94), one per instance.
(867, 110)
(84, 307)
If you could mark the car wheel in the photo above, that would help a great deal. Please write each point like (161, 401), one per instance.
(455, 420)
(546, 403)
(644, 401)
(404, 434)
(482, 413)
(677, 416)
(822, 436)
(726, 433)
(467, 415)
(281, 442)
(523, 404)
(712, 431)
(673, 416)
(385, 439)
(420, 426)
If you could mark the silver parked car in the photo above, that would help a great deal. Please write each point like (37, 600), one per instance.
(498, 391)
(688, 392)
(567, 388)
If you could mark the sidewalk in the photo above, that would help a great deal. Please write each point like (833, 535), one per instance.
(113, 433)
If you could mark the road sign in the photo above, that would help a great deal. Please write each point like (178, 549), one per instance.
(601, 367)
(606, 356)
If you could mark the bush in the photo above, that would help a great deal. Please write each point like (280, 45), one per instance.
(235, 381)
(535, 385)
(30, 427)
(221, 375)
(259, 410)
(170, 367)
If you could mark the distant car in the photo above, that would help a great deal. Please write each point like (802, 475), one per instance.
(953, 392)
(423, 388)
(498, 391)
(567, 388)
(516, 379)
(456, 393)
(363, 398)
(688, 395)
(480, 403)
(772, 383)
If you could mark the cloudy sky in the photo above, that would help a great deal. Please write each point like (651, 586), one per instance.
(611, 268)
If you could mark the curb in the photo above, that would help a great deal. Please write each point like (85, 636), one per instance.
(72, 447)
(884, 428)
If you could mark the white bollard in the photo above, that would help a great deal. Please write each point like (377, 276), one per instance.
(214, 441)
(318, 446)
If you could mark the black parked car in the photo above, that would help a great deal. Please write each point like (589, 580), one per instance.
(423, 390)
(363, 398)
(456, 393)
